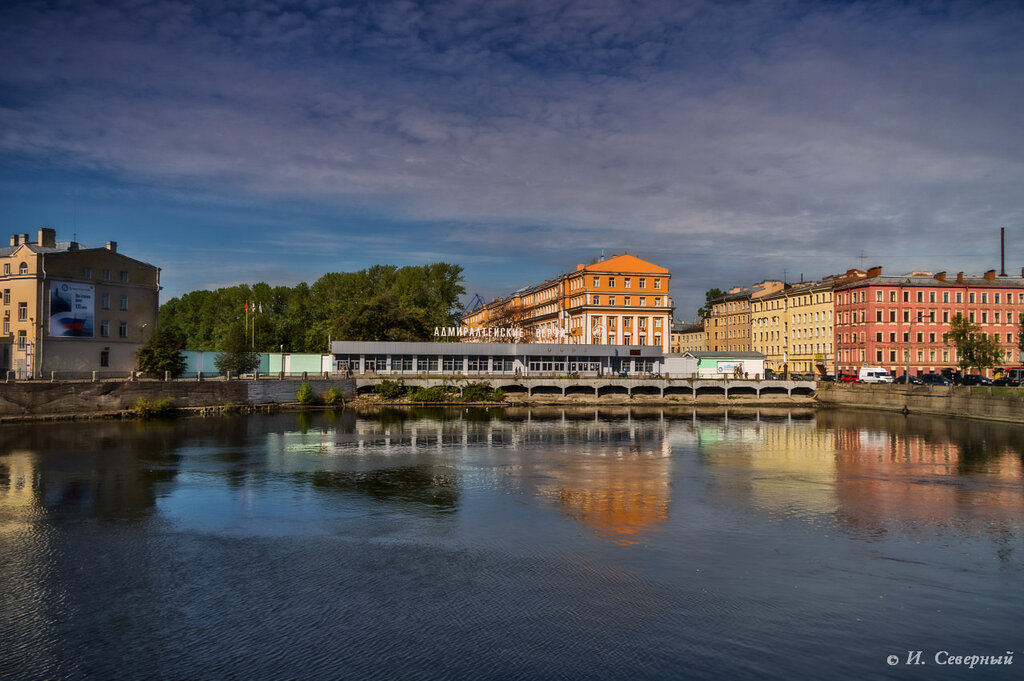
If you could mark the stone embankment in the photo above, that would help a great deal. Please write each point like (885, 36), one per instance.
(971, 402)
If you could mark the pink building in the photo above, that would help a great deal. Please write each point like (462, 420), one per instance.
(880, 318)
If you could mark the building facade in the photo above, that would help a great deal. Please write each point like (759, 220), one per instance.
(898, 322)
(793, 327)
(623, 300)
(71, 309)
(727, 328)
(688, 337)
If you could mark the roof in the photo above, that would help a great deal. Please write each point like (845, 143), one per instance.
(626, 263)
(724, 355)
(917, 279)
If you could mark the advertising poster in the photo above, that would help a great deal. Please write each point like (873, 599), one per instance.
(71, 309)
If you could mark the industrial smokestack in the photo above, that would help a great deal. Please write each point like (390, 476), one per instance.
(1002, 251)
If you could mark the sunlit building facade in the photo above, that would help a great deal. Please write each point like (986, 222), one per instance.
(623, 300)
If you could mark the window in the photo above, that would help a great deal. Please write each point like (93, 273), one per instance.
(7, 325)
(945, 296)
(597, 282)
(997, 299)
(23, 268)
(643, 300)
(626, 300)
(124, 304)
(86, 273)
(611, 300)
(959, 296)
(597, 300)
(626, 282)
(124, 277)
(7, 268)
(920, 337)
(920, 296)
(122, 330)
(878, 314)
(7, 296)
(945, 317)
(105, 301)
(892, 337)
(878, 296)
(657, 284)
(22, 312)
(931, 338)
(970, 296)
(657, 300)
(104, 358)
(627, 322)
(105, 329)
(984, 297)
(878, 355)
(643, 284)
(657, 323)
(21, 340)
(892, 296)
(892, 315)
(931, 296)
(106, 275)
(611, 282)
(878, 337)
(906, 296)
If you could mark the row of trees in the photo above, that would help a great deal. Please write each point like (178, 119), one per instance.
(381, 303)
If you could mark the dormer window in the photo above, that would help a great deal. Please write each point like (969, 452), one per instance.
(23, 268)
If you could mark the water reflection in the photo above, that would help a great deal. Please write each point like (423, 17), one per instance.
(776, 531)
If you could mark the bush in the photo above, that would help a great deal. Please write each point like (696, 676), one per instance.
(390, 390)
(305, 395)
(332, 396)
(148, 408)
(438, 393)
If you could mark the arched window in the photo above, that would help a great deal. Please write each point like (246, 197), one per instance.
(23, 268)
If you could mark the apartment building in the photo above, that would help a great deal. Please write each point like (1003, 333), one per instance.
(793, 326)
(727, 328)
(900, 321)
(72, 309)
(622, 300)
(688, 337)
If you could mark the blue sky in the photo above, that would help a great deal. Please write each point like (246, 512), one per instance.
(233, 142)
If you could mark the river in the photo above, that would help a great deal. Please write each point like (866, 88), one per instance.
(538, 543)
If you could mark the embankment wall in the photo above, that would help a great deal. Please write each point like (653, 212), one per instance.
(73, 397)
(977, 402)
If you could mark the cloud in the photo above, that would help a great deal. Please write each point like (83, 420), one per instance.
(800, 130)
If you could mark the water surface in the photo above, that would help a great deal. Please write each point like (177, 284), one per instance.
(511, 544)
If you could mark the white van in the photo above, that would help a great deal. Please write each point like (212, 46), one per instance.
(875, 375)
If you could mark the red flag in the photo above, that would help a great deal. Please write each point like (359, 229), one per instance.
(247, 306)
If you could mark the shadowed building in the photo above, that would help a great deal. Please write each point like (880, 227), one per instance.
(72, 309)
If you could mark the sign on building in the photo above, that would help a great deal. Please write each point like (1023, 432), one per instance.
(71, 309)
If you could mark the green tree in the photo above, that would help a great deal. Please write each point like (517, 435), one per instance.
(709, 298)
(1020, 335)
(236, 356)
(162, 352)
(973, 348)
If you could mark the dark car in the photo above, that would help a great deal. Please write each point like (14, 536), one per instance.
(827, 378)
(935, 379)
(914, 380)
(975, 379)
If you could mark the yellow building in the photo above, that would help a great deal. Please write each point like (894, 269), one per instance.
(73, 310)
(727, 328)
(688, 337)
(792, 327)
(619, 301)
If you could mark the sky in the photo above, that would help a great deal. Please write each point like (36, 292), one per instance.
(731, 142)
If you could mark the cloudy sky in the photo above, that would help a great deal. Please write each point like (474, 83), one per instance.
(232, 142)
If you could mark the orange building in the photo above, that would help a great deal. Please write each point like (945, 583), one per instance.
(619, 301)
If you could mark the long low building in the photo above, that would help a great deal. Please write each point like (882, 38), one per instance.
(525, 359)
(361, 357)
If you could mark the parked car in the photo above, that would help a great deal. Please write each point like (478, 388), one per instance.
(769, 374)
(827, 378)
(975, 379)
(913, 380)
(1010, 376)
(848, 378)
(935, 379)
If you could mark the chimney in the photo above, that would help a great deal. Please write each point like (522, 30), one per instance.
(991, 274)
(47, 237)
(112, 246)
(941, 276)
(959, 277)
(14, 242)
(580, 267)
(875, 271)
(23, 238)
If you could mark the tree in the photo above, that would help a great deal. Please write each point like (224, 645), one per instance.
(709, 298)
(236, 356)
(973, 348)
(1020, 336)
(162, 353)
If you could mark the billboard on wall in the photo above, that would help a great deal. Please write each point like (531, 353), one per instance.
(71, 309)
